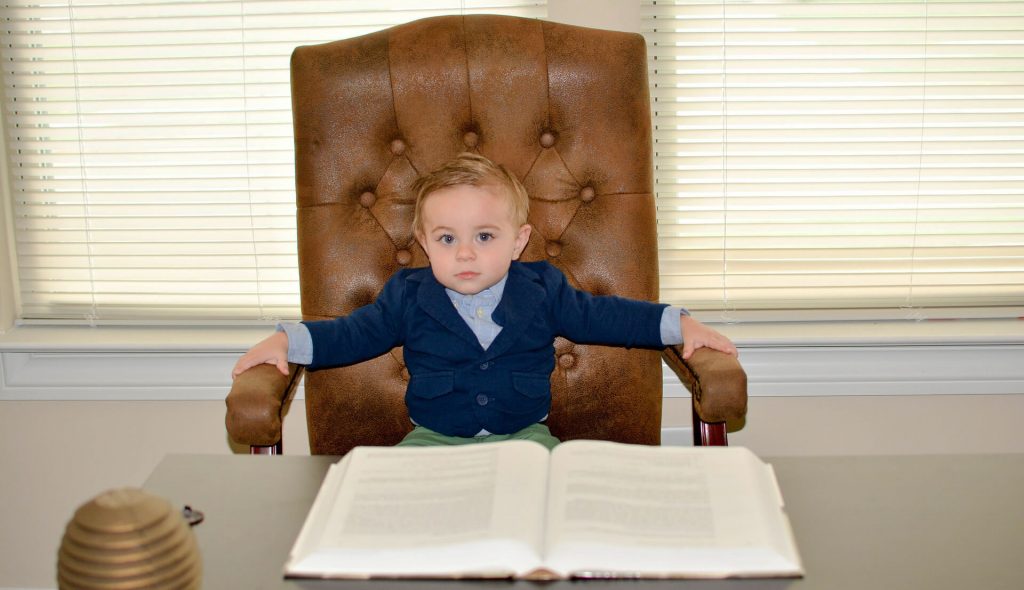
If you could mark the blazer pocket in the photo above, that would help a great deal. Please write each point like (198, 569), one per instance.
(431, 385)
(532, 384)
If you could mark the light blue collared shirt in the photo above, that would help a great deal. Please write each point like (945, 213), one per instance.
(476, 310)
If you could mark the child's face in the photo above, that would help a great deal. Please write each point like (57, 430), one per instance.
(469, 236)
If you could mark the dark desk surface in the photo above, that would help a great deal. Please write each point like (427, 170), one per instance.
(930, 522)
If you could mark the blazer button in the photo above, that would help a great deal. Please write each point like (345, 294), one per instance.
(481, 399)
(485, 366)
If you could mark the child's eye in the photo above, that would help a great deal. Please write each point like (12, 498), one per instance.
(446, 239)
(485, 236)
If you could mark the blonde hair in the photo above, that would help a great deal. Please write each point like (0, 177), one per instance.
(471, 169)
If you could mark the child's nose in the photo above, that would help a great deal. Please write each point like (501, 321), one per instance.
(464, 252)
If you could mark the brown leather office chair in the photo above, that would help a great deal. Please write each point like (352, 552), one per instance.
(564, 108)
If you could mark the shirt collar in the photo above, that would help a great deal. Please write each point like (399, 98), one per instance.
(491, 294)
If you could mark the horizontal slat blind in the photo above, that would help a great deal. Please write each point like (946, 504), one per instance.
(151, 149)
(841, 158)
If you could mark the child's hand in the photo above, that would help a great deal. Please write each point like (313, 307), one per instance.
(272, 350)
(697, 335)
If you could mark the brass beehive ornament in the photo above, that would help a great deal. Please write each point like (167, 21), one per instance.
(128, 539)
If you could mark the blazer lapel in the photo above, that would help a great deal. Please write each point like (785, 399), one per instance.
(433, 300)
(521, 301)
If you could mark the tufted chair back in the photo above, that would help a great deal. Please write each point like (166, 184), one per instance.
(564, 108)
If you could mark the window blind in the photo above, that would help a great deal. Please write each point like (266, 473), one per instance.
(150, 150)
(839, 159)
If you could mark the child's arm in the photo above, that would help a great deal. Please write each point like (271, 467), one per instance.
(272, 350)
(697, 335)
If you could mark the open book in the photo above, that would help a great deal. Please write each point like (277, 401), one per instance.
(512, 509)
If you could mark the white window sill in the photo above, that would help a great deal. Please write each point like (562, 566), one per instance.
(154, 339)
(48, 362)
(877, 333)
(750, 335)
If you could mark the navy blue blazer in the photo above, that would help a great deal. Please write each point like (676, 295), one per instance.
(456, 387)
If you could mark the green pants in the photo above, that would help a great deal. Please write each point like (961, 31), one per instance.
(424, 437)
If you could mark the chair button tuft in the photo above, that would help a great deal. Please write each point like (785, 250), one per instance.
(547, 139)
(367, 199)
(566, 361)
(470, 139)
(553, 249)
(587, 194)
(397, 147)
(403, 257)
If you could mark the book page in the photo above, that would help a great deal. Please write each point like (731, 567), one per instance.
(475, 510)
(316, 520)
(626, 510)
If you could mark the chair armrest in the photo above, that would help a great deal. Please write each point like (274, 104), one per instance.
(257, 401)
(716, 380)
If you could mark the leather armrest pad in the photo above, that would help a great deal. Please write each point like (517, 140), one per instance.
(716, 380)
(256, 401)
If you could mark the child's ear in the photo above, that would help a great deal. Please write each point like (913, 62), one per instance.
(522, 238)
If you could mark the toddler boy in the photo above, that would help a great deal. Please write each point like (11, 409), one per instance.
(477, 326)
